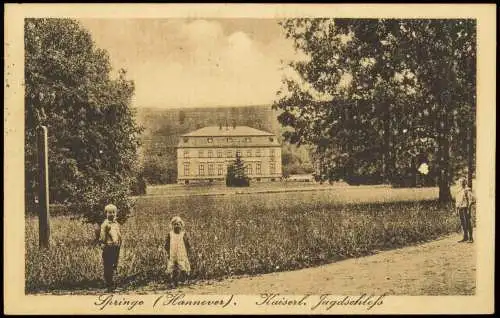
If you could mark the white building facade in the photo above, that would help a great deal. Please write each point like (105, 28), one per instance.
(204, 154)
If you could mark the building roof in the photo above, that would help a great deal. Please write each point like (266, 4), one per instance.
(227, 131)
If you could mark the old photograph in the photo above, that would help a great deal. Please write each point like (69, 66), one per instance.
(257, 156)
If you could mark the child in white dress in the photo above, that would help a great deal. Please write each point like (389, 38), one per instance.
(178, 249)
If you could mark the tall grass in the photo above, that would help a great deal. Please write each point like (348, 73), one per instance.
(236, 235)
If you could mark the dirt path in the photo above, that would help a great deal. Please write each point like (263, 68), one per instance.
(442, 267)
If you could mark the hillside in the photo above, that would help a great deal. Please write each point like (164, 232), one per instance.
(164, 126)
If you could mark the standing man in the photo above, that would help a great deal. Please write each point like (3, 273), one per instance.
(463, 203)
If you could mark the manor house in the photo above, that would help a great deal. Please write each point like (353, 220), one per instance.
(204, 154)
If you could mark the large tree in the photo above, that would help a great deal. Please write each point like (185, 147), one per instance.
(374, 95)
(93, 136)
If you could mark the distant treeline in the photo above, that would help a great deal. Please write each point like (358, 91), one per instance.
(162, 128)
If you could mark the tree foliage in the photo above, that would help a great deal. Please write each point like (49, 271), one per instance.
(378, 96)
(160, 169)
(93, 136)
(295, 160)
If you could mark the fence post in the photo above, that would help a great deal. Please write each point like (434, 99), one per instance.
(43, 189)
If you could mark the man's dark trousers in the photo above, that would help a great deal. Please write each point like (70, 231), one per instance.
(465, 219)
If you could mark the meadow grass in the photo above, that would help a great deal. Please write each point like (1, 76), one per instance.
(239, 235)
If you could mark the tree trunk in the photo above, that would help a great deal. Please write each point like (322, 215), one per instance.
(470, 154)
(444, 188)
(387, 146)
(414, 171)
(444, 154)
(348, 165)
(390, 146)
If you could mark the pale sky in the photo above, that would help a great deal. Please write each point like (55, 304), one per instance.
(189, 63)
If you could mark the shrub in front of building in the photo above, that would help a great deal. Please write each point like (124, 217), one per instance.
(236, 176)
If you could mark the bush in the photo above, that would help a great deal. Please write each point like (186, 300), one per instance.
(409, 178)
(138, 185)
(159, 170)
(237, 182)
(363, 179)
(297, 168)
(236, 176)
(90, 198)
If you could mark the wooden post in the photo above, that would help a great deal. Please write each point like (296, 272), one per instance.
(43, 189)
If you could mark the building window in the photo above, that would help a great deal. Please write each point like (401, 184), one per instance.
(186, 169)
(229, 154)
(210, 154)
(200, 153)
(219, 153)
(185, 139)
(249, 169)
(229, 139)
(210, 140)
(257, 168)
(202, 169)
(220, 169)
(238, 153)
(271, 139)
(247, 139)
(272, 168)
(210, 169)
(257, 153)
(186, 154)
(249, 153)
(271, 154)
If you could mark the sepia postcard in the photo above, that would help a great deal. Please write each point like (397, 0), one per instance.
(249, 158)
